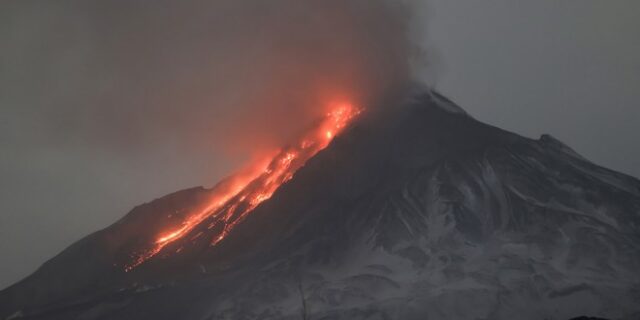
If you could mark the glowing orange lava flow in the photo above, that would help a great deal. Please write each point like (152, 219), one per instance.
(229, 206)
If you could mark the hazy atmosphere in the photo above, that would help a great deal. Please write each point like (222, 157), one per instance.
(106, 106)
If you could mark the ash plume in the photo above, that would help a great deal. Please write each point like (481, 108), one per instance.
(197, 74)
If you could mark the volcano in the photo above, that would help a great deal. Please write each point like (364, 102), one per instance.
(412, 211)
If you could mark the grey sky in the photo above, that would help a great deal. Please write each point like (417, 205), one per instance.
(570, 68)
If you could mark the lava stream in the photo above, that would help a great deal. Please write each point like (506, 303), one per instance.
(229, 206)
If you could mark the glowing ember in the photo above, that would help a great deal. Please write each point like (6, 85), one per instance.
(229, 206)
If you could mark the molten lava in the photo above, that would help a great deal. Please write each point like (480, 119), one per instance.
(231, 205)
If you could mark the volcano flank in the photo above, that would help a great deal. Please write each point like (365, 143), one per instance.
(412, 211)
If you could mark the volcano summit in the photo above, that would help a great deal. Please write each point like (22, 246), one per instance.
(415, 211)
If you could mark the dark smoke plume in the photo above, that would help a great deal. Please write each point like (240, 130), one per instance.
(238, 74)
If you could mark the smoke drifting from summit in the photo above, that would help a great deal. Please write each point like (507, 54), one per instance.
(232, 74)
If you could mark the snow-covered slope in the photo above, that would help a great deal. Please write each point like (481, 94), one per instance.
(417, 211)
